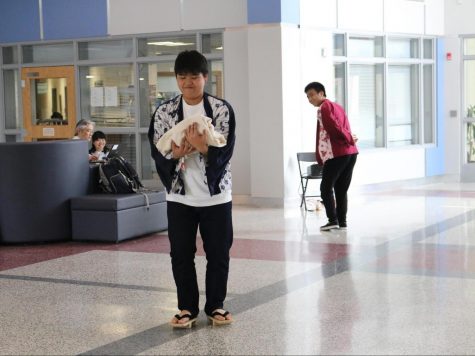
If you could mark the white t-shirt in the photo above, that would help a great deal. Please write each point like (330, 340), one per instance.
(194, 175)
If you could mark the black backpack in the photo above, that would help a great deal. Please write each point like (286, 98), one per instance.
(118, 176)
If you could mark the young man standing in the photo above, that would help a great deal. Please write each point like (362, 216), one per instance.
(336, 151)
(198, 182)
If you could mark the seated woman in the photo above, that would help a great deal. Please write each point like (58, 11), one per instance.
(99, 148)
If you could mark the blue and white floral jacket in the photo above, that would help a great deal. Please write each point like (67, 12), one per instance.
(216, 165)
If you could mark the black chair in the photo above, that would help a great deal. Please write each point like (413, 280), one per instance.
(309, 169)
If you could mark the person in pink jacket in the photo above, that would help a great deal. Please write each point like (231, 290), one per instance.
(336, 151)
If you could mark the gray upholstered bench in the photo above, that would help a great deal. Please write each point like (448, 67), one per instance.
(117, 217)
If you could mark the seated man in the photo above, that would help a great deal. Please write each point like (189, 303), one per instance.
(84, 130)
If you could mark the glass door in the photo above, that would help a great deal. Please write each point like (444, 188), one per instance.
(49, 108)
(468, 111)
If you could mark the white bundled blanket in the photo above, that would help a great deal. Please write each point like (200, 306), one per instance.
(176, 134)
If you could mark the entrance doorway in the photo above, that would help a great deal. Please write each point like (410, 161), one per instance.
(468, 110)
(49, 107)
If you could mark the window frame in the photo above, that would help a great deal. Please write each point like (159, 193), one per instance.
(466, 119)
(419, 61)
(137, 129)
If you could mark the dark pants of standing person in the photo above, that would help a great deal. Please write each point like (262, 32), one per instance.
(336, 178)
(216, 229)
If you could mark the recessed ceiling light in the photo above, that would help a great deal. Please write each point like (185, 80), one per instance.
(169, 44)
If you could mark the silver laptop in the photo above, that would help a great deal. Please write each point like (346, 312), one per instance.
(113, 151)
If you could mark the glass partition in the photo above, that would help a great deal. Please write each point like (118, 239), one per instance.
(428, 48)
(13, 138)
(161, 46)
(365, 101)
(148, 164)
(468, 104)
(215, 84)
(340, 86)
(49, 105)
(10, 96)
(403, 48)
(469, 47)
(105, 49)
(212, 43)
(126, 144)
(363, 46)
(48, 53)
(157, 84)
(10, 55)
(428, 90)
(339, 44)
(403, 105)
(469, 88)
(108, 87)
(470, 142)
(108, 94)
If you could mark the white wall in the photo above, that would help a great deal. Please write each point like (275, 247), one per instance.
(318, 13)
(397, 16)
(149, 16)
(143, 16)
(404, 16)
(360, 15)
(205, 14)
(453, 102)
(460, 17)
(376, 166)
(292, 92)
(266, 111)
(434, 17)
(236, 89)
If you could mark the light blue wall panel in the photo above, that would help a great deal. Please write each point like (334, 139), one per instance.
(435, 161)
(74, 18)
(19, 20)
(290, 11)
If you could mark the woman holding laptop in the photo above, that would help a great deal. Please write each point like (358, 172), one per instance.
(99, 148)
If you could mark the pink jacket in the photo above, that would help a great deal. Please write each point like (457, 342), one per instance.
(338, 128)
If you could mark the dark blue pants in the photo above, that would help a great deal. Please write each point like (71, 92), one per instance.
(216, 229)
(336, 179)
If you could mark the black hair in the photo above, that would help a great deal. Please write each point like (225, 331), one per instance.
(191, 62)
(98, 135)
(56, 115)
(318, 87)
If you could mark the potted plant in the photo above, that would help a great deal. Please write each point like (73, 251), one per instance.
(471, 111)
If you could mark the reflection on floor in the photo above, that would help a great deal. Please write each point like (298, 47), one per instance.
(400, 280)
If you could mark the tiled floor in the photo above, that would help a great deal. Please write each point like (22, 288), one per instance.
(401, 280)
